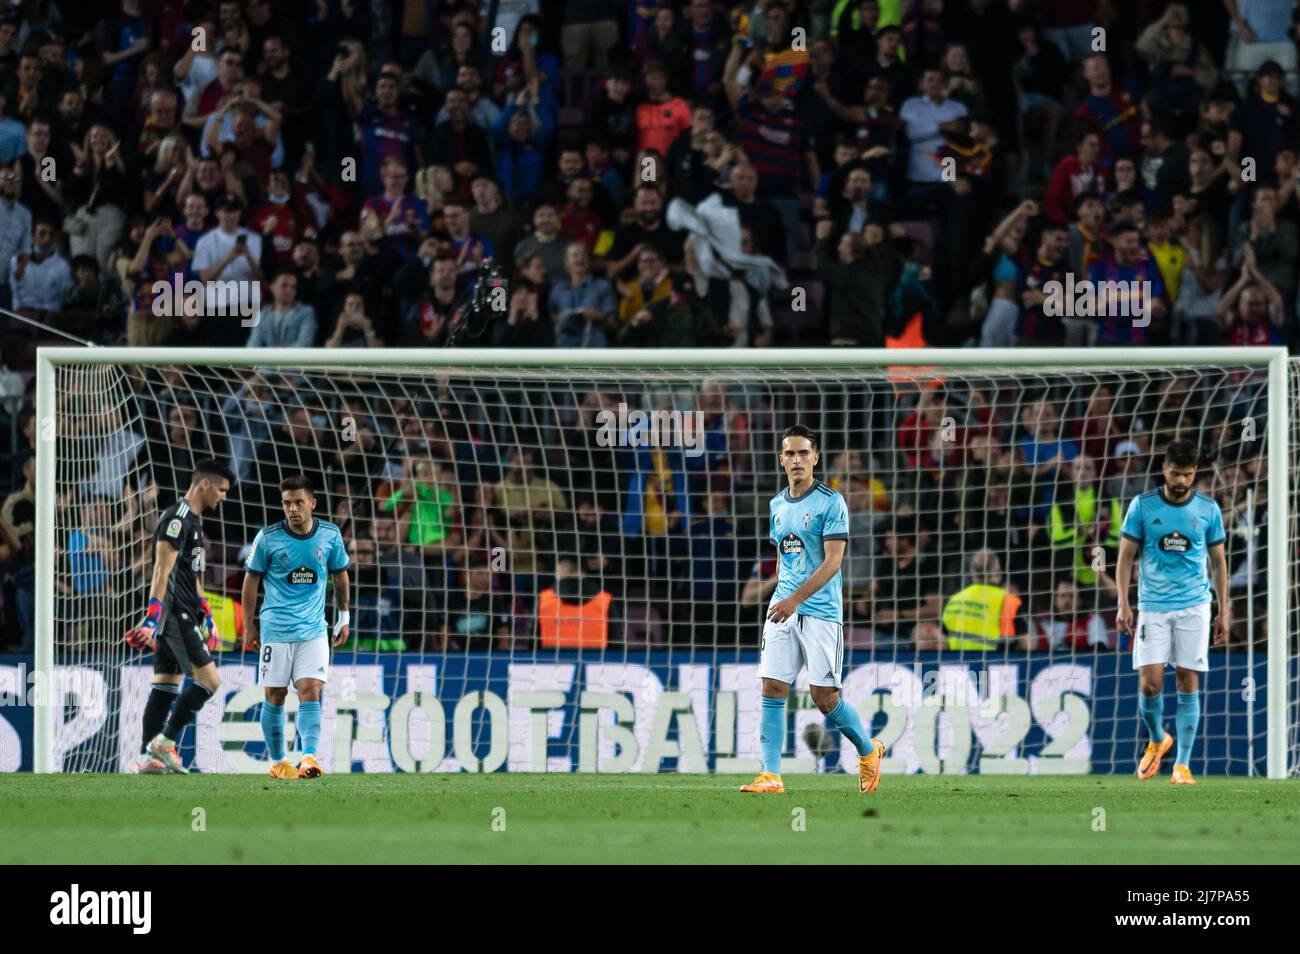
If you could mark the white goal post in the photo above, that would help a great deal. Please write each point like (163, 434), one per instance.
(1282, 402)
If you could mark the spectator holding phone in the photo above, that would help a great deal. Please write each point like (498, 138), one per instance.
(353, 329)
(228, 253)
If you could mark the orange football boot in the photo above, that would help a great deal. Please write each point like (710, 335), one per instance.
(768, 783)
(164, 750)
(869, 767)
(1155, 751)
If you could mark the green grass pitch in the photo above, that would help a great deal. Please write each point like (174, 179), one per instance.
(92, 819)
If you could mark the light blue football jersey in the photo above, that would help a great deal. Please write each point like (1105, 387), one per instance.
(1174, 541)
(798, 527)
(294, 569)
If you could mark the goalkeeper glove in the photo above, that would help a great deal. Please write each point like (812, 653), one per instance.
(214, 634)
(142, 637)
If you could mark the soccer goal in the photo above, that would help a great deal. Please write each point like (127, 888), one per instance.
(561, 559)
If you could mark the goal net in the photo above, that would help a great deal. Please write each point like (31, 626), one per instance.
(560, 561)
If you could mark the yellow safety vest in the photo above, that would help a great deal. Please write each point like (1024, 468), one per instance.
(973, 617)
(229, 617)
(1086, 506)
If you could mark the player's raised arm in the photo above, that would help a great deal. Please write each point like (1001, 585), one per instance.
(164, 558)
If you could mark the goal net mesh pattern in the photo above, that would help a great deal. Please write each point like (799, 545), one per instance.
(567, 568)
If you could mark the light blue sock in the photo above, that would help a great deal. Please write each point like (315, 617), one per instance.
(309, 726)
(846, 719)
(1153, 713)
(1187, 718)
(771, 734)
(273, 730)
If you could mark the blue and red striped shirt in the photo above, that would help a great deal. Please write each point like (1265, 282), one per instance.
(1113, 325)
(1115, 118)
(1034, 326)
(382, 136)
(775, 143)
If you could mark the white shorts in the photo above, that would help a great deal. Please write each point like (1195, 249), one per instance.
(802, 641)
(1181, 637)
(281, 665)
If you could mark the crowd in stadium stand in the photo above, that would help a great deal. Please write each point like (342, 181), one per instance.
(914, 172)
(491, 514)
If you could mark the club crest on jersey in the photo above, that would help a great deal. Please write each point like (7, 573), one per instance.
(1175, 543)
(302, 576)
(320, 554)
(807, 519)
(791, 545)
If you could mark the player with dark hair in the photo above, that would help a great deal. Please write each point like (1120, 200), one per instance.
(291, 559)
(808, 523)
(178, 611)
(1177, 530)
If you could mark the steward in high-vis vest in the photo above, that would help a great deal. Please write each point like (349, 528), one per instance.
(229, 617)
(575, 612)
(984, 614)
(1076, 510)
